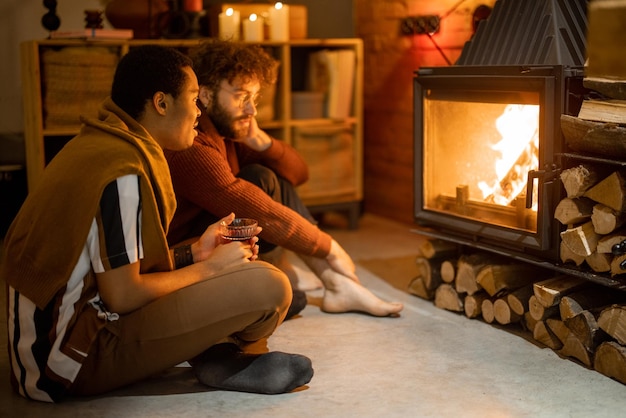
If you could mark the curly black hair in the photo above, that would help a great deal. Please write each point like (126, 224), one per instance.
(145, 70)
(216, 60)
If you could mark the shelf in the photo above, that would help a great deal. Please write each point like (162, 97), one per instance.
(49, 118)
(64, 131)
(271, 124)
(592, 159)
(320, 121)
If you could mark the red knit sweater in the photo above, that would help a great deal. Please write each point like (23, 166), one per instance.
(204, 178)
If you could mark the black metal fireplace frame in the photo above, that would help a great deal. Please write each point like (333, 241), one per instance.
(554, 155)
(560, 91)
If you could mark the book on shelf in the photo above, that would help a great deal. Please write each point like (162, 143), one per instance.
(610, 110)
(93, 34)
(332, 72)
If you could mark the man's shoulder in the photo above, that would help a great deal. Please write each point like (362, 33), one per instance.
(208, 139)
(203, 143)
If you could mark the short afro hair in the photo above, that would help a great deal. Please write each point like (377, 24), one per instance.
(145, 70)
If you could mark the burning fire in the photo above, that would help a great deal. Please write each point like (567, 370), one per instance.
(519, 148)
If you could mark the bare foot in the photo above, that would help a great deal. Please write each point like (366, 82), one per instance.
(345, 295)
(342, 294)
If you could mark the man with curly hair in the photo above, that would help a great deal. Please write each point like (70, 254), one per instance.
(233, 165)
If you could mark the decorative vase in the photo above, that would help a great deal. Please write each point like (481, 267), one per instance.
(147, 18)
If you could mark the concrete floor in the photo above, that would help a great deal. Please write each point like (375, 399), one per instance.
(426, 363)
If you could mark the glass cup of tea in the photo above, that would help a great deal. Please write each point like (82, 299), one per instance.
(240, 229)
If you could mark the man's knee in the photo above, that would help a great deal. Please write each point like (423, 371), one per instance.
(274, 282)
(259, 175)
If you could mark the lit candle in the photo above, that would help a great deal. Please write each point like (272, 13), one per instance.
(253, 29)
(279, 22)
(229, 24)
(193, 5)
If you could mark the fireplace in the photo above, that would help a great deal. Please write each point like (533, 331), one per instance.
(488, 142)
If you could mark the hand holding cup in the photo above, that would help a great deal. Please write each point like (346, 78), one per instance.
(240, 229)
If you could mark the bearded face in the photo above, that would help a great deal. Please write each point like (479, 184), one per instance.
(232, 107)
(225, 120)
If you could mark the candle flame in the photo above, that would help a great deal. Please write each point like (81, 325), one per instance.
(278, 5)
(253, 17)
(229, 11)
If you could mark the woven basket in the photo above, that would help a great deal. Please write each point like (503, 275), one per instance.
(327, 149)
(75, 81)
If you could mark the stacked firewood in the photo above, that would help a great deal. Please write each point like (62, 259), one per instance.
(594, 213)
(571, 315)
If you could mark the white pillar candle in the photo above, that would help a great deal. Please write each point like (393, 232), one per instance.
(253, 29)
(279, 22)
(229, 24)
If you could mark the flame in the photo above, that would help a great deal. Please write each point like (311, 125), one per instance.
(519, 148)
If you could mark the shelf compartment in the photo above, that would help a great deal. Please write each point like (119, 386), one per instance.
(75, 80)
(328, 151)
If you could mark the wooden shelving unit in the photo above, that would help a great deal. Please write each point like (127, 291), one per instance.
(45, 135)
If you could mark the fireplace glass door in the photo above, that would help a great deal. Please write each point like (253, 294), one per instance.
(477, 160)
(480, 141)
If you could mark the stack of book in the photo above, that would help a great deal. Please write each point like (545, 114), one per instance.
(332, 73)
(93, 34)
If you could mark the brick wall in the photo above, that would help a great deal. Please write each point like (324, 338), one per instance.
(390, 62)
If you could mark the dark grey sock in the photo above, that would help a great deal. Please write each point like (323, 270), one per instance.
(298, 303)
(225, 366)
